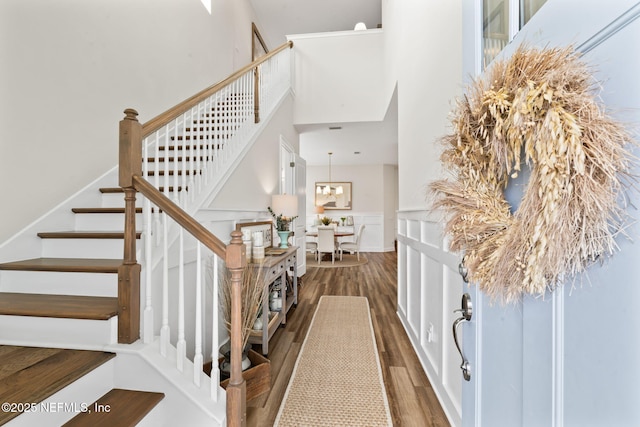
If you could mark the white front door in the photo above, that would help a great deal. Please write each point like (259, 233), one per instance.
(571, 358)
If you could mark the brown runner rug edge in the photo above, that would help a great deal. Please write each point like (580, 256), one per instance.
(347, 261)
(337, 377)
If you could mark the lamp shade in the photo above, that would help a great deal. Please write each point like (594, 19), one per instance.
(319, 209)
(285, 204)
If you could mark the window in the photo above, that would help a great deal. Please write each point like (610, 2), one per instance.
(501, 20)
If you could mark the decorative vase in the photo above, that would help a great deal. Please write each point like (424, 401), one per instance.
(225, 364)
(284, 237)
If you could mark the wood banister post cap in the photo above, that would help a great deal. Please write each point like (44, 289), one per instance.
(131, 114)
(236, 251)
(236, 237)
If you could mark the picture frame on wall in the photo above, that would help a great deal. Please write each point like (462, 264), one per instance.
(334, 195)
(265, 227)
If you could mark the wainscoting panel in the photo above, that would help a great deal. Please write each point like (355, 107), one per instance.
(414, 306)
(429, 289)
(431, 313)
(402, 281)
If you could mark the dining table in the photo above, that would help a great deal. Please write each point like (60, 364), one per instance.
(336, 235)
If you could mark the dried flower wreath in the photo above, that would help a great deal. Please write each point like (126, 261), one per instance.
(538, 104)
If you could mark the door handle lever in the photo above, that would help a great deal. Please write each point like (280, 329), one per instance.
(467, 312)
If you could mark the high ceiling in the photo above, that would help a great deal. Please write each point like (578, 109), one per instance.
(375, 141)
(279, 18)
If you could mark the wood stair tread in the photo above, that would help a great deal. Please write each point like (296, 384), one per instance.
(32, 374)
(111, 190)
(115, 190)
(58, 306)
(78, 265)
(125, 408)
(172, 173)
(102, 210)
(176, 159)
(187, 147)
(84, 235)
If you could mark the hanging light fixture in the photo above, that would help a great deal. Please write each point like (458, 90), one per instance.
(328, 190)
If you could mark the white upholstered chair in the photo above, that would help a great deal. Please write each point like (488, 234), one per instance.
(352, 247)
(313, 248)
(326, 242)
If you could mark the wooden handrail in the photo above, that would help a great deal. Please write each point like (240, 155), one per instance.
(185, 220)
(234, 254)
(131, 180)
(164, 118)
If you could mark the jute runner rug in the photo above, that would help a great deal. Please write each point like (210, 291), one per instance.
(337, 379)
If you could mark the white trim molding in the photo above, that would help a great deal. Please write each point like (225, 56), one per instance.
(429, 289)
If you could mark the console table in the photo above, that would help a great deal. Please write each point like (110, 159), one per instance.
(276, 264)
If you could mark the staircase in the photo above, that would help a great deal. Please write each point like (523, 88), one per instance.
(68, 298)
(59, 289)
(56, 369)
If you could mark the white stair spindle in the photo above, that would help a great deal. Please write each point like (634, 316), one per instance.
(147, 330)
(197, 357)
(176, 177)
(182, 166)
(197, 162)
(148, 262)
(164, 330)
(181, 345)
(189, 162)
(215, 369)
(206, 155)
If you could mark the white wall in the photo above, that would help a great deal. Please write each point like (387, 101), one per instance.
(70, 68)
(423, 54)
(256, 179)
(428, 37)
(339, 77)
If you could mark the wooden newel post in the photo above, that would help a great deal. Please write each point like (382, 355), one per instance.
(129, 271)
(256, 94)
(236, 260)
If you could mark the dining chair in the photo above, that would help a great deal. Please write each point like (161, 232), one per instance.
(313, 248)
(352, 247)
(326, 242)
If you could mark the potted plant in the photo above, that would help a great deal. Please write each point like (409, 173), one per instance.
(282, 226)
(325, 220)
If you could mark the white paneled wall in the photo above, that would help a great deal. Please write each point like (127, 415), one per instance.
(429, 289)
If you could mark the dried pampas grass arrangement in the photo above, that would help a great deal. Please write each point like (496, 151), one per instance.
(251, 296)
(539, 104)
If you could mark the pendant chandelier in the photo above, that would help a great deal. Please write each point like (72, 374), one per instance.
(329, 190)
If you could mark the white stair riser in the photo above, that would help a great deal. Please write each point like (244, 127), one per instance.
(53, 332)
(63, 283)
(183, 401)
(157, 417)
(82, 248)
(71, 400)
(103, 222)
(116, 200)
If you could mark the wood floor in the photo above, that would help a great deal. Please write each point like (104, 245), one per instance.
(411, 398)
